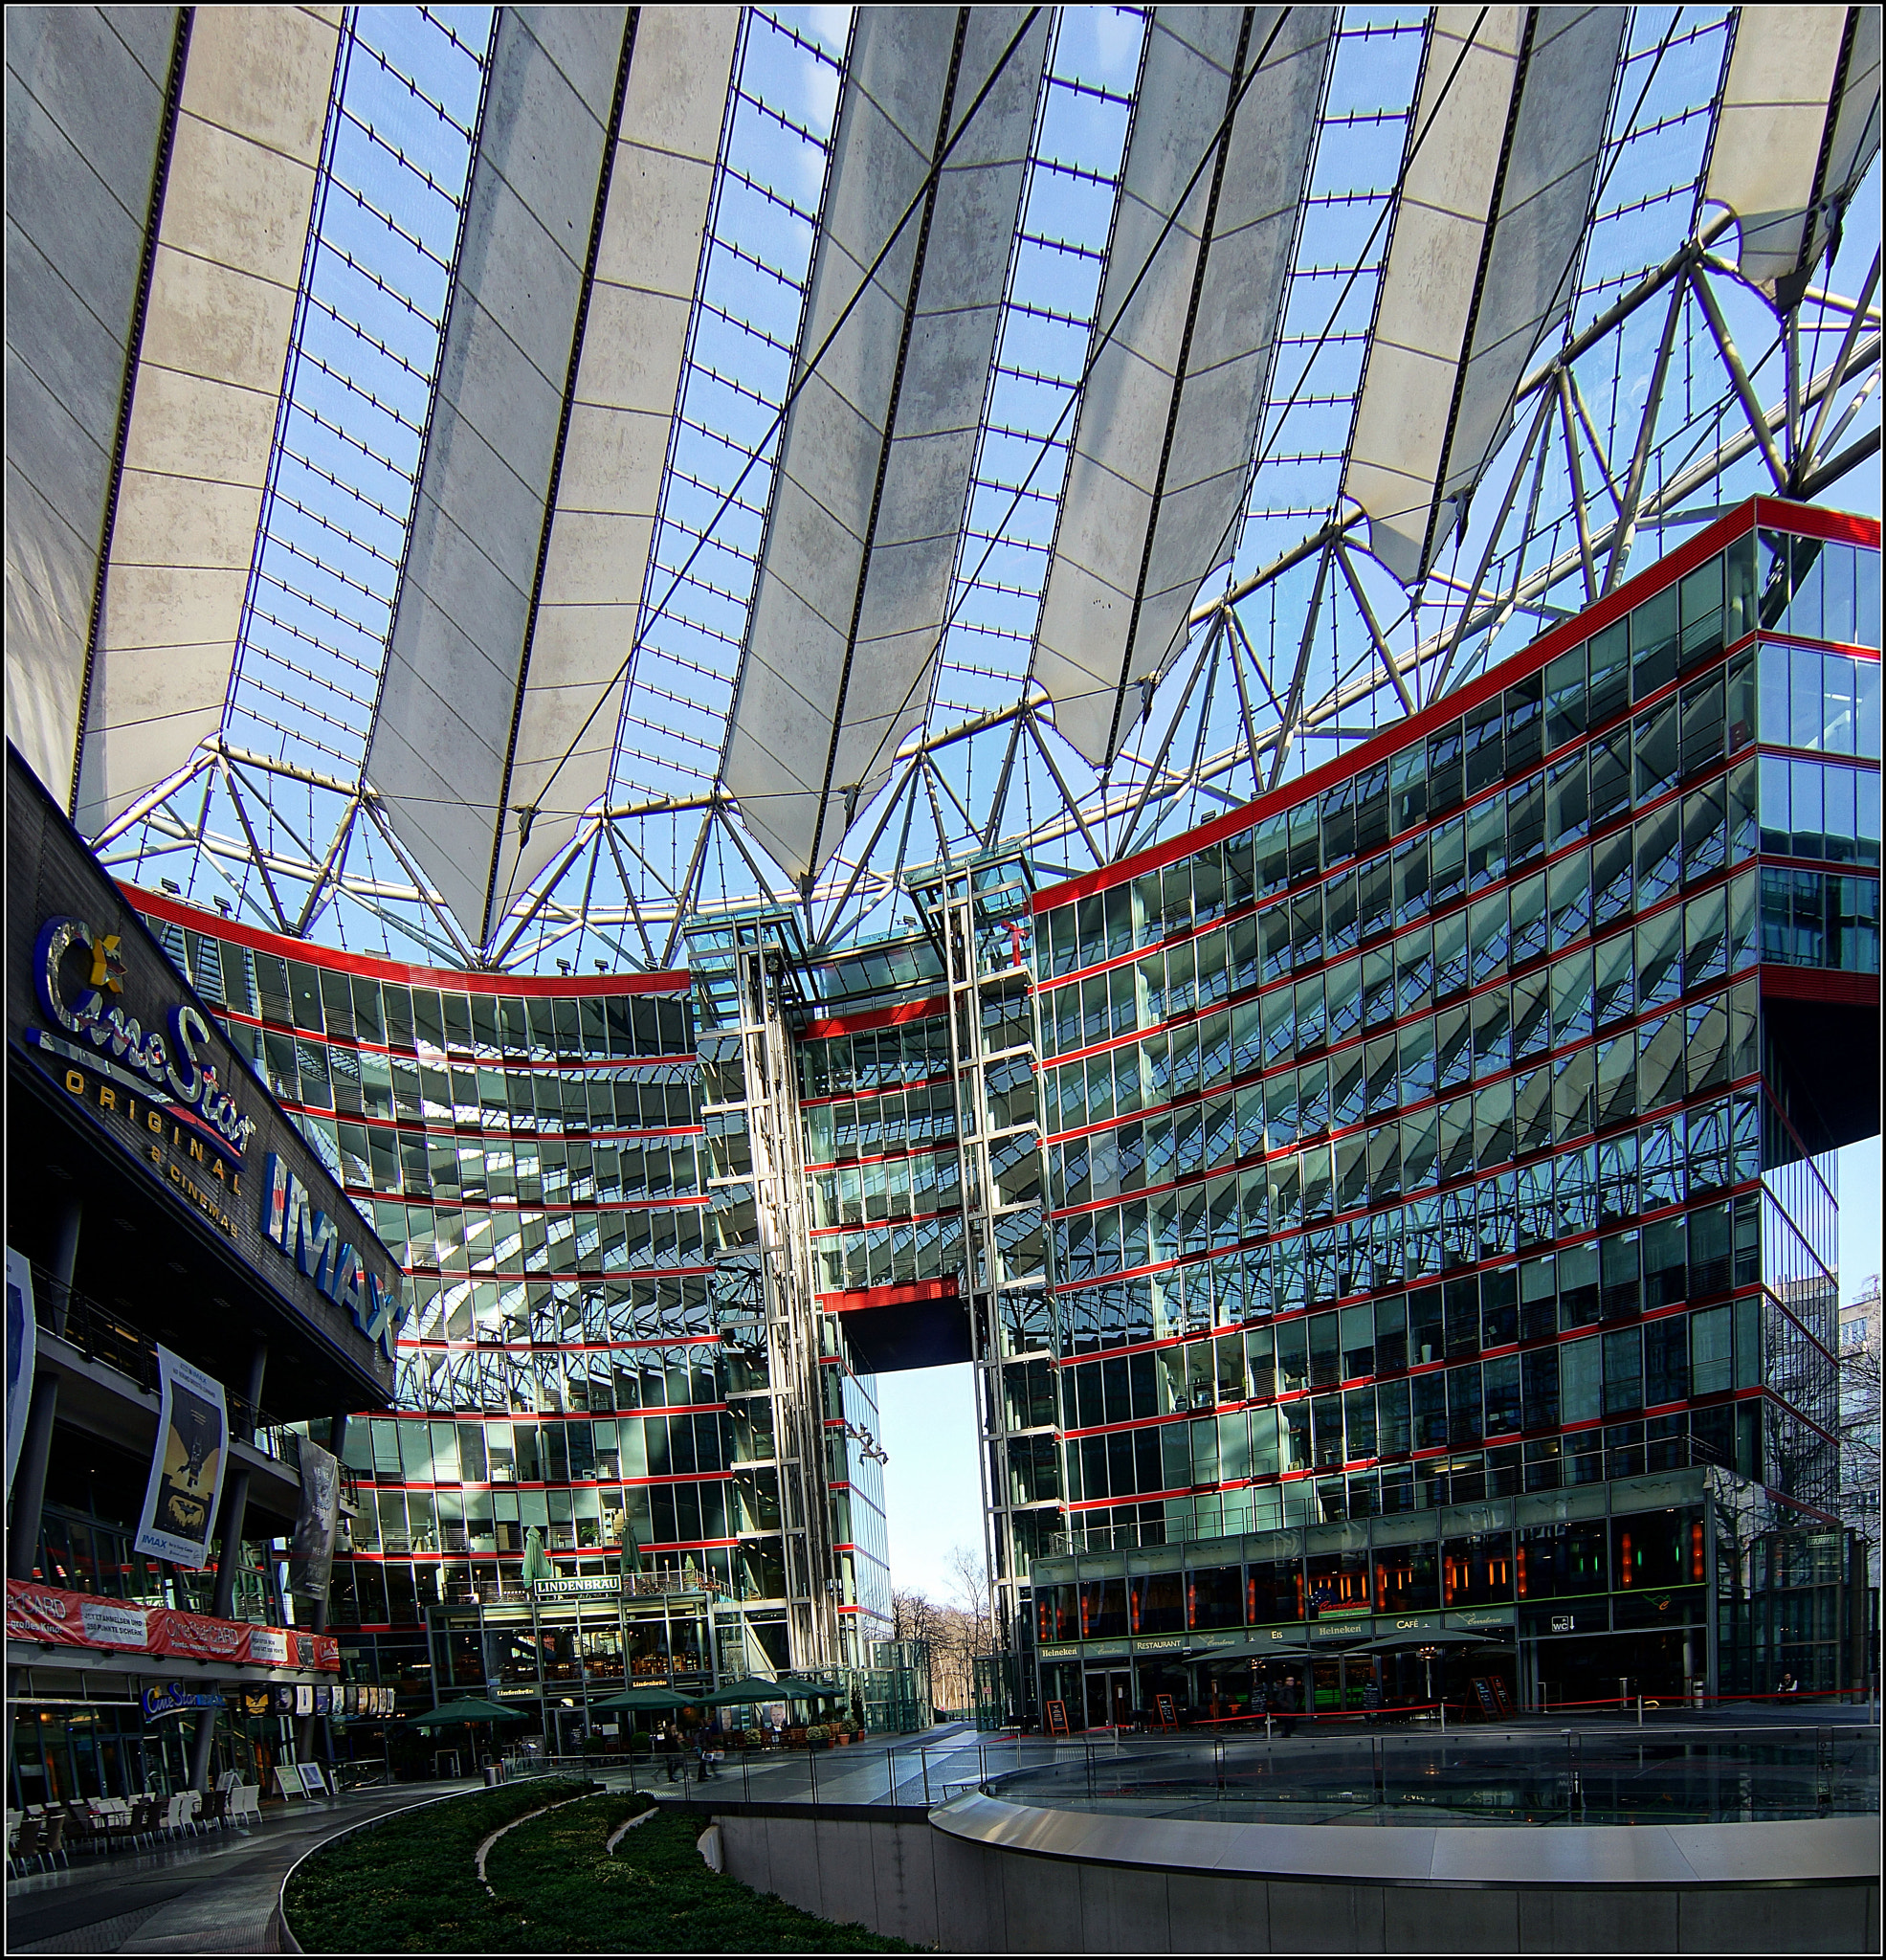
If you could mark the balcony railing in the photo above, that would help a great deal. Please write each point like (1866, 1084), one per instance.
(104, 1334)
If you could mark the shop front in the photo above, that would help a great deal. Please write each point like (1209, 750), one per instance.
(575, 1641)
(1669, 1586)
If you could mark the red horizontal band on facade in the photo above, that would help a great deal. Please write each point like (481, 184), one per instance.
(908, 1294)
(1830, 986)
(574, 986)
(1766, 512)
(876, 1018)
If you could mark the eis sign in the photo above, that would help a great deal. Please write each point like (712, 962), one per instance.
(186, 1105)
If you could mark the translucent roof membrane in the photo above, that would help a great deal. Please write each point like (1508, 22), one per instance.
(1667, 366)
(751, 295)
(359, 388)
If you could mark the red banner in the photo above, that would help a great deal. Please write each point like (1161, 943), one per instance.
(49, 1616)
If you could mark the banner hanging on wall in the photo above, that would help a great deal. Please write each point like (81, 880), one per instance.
(22, 1346)
(311, 1550)
(187, 1467)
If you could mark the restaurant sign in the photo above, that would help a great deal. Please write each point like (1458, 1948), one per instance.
(604, 1587)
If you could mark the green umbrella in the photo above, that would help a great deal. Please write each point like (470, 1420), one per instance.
(472, 1709)
(744, 1693)
(797, 1690)
(535, 1560)
(632, 1551)
(644, 1701)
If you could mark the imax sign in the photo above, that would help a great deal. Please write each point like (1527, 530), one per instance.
(312, 1240)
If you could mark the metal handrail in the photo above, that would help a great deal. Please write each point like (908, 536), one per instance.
(104, 1334)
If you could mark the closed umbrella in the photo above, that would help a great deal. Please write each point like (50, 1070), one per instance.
(535, 1560)
(630, 1559)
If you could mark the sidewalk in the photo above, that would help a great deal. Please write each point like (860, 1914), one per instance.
(892, 1770)
(209, 1894)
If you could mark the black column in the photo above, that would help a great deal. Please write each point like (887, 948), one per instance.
(304, 1735)
(65, 1262)
(235, 1512)
(30, 1478)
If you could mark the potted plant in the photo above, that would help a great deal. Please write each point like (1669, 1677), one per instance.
(818, 1736)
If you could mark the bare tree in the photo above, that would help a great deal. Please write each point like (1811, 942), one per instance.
(969, 1583)
(1859, 1437)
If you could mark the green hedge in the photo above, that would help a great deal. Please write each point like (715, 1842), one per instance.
(410, 1886)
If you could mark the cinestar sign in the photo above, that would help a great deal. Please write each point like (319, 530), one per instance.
(171, 1074)
(312, 1240)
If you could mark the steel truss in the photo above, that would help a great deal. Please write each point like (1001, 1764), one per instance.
(1312, 653)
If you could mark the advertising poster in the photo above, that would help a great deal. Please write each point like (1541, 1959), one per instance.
(187, 1469)
(22, 1342)
(311, 1550)
(305, 1699)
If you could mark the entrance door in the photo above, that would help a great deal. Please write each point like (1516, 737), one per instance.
(1109, 1697)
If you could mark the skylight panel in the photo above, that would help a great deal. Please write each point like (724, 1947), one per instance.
(362, 366)
(747, 307)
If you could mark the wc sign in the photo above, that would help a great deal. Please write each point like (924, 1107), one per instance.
(312, 1240)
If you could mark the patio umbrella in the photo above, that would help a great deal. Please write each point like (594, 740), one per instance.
(535, 1560)
(631, 1558)
(1432, 1636)
(635, 1702)
(798, 1690)
(472, 1708)
(643, 1701)
(745, 1693)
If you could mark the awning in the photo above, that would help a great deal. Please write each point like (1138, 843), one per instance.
(1431, 1637)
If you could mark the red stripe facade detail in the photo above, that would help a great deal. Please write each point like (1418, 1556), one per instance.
(1767, 513)
(213, 925)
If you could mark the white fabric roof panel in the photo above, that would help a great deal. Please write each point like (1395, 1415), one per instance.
(449, 699)
(228, 267)
(1167, 423)
(1565, 106)
(877, 451)
(1777, 105)
(1492, 212)
(85, 111)
(634, 340)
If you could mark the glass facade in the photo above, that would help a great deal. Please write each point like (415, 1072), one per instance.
(1441, 1129)
(534, 1152)
(1408, 1139)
